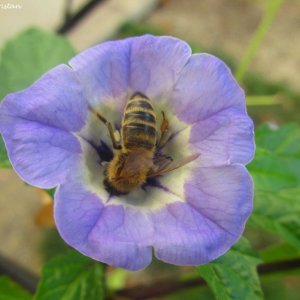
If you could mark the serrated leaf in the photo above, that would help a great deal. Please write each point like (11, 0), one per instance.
(277, 160)
(4, 161)
(71, 276)
(9, 290)
(276, 174)
(272, 172)
(29, 55)
(283, 141)
(278, 212)
(233, 276)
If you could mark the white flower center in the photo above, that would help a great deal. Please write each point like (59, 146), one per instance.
(157, 191)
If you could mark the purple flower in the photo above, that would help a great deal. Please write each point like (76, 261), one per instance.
(189, 216)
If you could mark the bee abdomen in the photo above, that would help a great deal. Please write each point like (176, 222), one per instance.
(139, 123)
(138, 115)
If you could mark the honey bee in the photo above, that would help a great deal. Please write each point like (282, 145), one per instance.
(136, 157)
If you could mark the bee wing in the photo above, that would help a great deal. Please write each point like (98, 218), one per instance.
(172, 166)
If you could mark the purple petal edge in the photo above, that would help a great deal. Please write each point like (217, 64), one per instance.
(37, 124)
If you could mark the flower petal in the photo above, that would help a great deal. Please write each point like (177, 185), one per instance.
(205, 87)
(156, 63)
(225, 138)
(76, 212)
(208, 99)
(103, 71)
(219, 201)
(122, 237)
(117, 69)
(35, 125)
(114, 234)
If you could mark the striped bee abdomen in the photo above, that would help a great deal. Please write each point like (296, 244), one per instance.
(139, 123)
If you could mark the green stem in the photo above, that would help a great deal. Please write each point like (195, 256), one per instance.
(264, 26)
(262, 100)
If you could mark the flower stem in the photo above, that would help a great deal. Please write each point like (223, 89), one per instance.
(272, 9)
(264, 100)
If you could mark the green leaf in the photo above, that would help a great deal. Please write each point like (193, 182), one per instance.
(283, 141)
(273, 172)
(29, 55)
(277, 252)
(279, 213)
(4, 161)
(71, 276)
(277, 160)
(276, 175)
(9, 290)
(233, 276)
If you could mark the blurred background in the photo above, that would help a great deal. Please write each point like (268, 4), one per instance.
(222, 27)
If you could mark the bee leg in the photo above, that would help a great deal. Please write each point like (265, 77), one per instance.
(164, 129)
(117, 136)
(109, 127)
